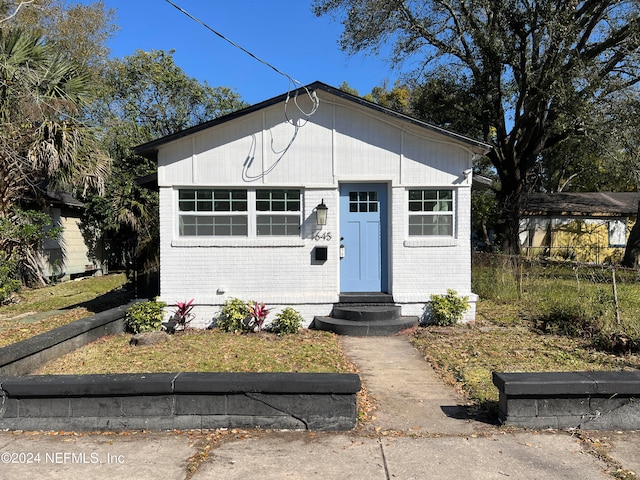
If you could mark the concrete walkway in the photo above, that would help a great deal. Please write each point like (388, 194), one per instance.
(421, 430)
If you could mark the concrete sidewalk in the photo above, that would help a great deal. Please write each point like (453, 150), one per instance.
(422, 429)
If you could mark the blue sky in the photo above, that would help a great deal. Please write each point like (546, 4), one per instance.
(284, 33)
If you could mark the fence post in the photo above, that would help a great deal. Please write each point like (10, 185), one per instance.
(615, 298)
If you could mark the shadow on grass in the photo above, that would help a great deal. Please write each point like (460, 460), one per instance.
(111, 299)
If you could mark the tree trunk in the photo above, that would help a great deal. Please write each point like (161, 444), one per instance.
(632, 250)
(510, 201)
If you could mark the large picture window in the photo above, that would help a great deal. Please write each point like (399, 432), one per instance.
(431, 213)
(239, 212)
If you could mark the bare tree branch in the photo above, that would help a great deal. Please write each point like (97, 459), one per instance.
(20, 5)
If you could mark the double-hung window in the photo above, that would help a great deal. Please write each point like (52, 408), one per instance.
(220, 212)
(277, 212)
(239, 212)
(431, 213)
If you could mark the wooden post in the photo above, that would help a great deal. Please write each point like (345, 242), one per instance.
(615, 297)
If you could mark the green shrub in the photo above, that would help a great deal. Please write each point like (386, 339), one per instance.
(235, 316)
(144, 317)
(8, 283)
(447, 309)
(287, 321)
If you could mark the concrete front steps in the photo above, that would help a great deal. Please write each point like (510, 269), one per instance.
(365, 315)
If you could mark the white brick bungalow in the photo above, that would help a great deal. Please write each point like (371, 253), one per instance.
(239, 197)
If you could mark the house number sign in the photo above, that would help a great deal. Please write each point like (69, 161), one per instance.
(322, 236)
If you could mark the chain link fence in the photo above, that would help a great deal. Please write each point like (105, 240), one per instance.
(595, 301)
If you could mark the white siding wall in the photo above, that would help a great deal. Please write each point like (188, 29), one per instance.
(341, 143)
(68, 255)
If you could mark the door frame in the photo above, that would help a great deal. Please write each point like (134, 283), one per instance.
(385, 231)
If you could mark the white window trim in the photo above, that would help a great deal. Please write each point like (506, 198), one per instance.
(252, 238)
(431, 240)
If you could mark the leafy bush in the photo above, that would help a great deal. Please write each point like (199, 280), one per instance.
(144, 317)
(259, 314)
(181, 317)
(235, 316)
(287, 321)
(8, 283)
(447, 309)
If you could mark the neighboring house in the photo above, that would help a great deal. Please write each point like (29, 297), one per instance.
(587, 227)
(241, 197)
(67, 257)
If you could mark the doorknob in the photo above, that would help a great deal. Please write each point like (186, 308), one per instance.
(342, 250)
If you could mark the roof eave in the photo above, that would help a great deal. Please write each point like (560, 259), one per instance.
(149, 149)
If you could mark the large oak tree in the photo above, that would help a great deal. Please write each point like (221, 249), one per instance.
(537, 70)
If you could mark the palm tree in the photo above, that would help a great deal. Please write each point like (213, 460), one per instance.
(41, 93)
(43, 146)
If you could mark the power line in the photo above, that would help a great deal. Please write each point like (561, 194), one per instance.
(292, 80)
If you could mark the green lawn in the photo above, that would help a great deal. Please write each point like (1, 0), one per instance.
(68, 301)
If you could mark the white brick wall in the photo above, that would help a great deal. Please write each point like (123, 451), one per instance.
(277, 275)
(288, 276)
(425, 267)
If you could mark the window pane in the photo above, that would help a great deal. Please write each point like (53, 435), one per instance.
(373, 207)
(223, 230)
(239, 226)
(353, 196)
(446, 195)
(239, 194)
(187, 194)
(204, 194)
(445, 206)
(278, 225)
(415, 194)
(415, 230)
(430, 194)
(187, 206)
(239, 205)
(204, 206)
(431, 225)
(202, 225)
(222, 206)
(278, 200)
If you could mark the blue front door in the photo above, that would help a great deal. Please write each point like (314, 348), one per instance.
(363, 232)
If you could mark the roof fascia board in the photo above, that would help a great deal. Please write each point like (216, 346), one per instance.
(149, 149)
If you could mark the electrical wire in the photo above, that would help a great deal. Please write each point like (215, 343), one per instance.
(292, 81)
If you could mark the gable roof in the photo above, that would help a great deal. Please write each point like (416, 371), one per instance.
(149, 149)
(591, 204)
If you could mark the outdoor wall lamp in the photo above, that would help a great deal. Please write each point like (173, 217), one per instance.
(321, 213)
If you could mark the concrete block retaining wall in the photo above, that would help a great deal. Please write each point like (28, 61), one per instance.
(160, 401)
(586, 400)
(311, 401)
(24, 357)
